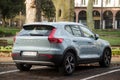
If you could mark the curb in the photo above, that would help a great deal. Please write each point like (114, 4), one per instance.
(8, 63)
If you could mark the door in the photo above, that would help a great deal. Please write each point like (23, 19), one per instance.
(85, 45)
(77, 39)
(88, 44)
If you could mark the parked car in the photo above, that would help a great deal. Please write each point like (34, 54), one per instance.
(59, 44)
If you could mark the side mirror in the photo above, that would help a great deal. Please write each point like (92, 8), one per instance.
(96, 36)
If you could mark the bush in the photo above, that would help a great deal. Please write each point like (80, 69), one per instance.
(5, 34)
(5, 49)
(115, 50)
(1, 33)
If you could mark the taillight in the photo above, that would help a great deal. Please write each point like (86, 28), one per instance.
(14, 39)
(52, 39)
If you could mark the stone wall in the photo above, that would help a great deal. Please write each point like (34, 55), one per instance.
(64, 10)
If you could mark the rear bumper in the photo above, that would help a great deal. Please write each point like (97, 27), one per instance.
(34, 62)
(39, 60)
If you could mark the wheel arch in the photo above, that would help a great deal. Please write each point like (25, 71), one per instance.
(107, 47)
(105, 60)
(72, 50)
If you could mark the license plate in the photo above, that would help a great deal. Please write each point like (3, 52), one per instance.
(29, 53)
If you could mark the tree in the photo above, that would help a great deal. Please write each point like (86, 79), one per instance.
(33, 10)
(48, 9)
(4, 8)
(90, 21)
(10, 8)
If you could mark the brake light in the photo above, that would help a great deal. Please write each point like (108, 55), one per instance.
(52, 39)
(14, 39)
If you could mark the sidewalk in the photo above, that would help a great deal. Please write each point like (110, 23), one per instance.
(6, 59)
(116, 59)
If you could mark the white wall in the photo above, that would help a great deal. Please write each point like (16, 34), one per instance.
(113, 3)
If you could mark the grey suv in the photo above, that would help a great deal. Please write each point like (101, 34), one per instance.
(60, 44)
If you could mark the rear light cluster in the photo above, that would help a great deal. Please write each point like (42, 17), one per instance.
(52, 39)
(14, 39)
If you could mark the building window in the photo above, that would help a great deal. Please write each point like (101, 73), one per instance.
(95, 2)
(83, 2)
(108, 2)
(59, 13)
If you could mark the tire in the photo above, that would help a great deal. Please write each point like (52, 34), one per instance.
(69, 63)
(23, 67)
(106, 58)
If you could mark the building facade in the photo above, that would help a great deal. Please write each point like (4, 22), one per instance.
(106, 13)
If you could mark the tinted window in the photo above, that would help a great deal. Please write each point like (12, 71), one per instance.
(36, 30)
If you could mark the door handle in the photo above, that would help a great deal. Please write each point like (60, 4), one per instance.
(89, 42)
(74, 40)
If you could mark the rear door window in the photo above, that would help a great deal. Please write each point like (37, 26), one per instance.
(36, 30)
(74, 30)
(69, 29)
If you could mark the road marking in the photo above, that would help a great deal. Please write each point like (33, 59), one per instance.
(12, 71)
(98, 75)
(114, 67)
(7, 63)
(6, 72)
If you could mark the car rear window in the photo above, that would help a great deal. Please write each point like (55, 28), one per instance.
(36, 30)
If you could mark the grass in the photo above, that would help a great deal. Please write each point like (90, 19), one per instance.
(113, 40)
(113, 36)
(8, 31)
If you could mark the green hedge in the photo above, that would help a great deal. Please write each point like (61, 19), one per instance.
(115, 50)
(8, 31)
(5, 49)
(5, 34)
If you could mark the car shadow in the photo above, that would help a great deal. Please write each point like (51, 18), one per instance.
(53, 72)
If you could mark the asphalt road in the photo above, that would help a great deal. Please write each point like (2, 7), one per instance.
(82, 72)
